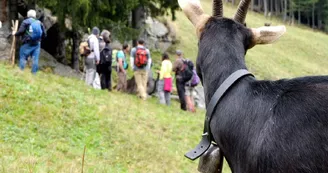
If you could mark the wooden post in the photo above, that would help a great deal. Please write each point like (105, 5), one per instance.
(13, 44)
(85, 147)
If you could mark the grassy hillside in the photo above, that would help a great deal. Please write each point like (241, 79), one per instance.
(46, 120)
(299, 52)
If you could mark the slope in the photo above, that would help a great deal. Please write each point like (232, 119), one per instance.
(46, 120)
(299, 52)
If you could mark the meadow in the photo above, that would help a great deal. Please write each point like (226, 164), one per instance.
(46, 121)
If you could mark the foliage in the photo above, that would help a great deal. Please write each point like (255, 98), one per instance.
(311, 12)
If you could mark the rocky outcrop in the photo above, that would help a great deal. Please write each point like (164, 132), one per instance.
(48, 63)
(46, 17)
(4, 31)
(4, 43)
(158, 35)
(151, 85)
(199, 97)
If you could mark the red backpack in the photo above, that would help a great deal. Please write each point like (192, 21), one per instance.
(141, 58)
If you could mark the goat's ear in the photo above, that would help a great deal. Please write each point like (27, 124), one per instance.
(267, 34)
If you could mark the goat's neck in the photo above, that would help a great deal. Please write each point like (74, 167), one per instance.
(218, 71)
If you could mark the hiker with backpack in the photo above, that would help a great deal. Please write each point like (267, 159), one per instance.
(180, 81)
(141, 59)
(92, 56)
(164, 86)
(105, 64)
(32, 32)
(122, 67)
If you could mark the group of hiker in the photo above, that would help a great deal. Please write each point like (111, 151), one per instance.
(186, 80)
(99, 58)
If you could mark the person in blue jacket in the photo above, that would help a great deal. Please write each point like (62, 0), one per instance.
(32, 32)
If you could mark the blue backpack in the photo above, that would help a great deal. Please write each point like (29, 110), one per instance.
(34, 30)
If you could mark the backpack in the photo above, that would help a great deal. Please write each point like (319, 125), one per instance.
(125, 64)
(34, 31)
(195, 79)
(141, 58)
(187, 70)
(84, 48)
(106, 56)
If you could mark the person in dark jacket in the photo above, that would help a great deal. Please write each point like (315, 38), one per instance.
(180, 84)
(31, 43)
(105, 68)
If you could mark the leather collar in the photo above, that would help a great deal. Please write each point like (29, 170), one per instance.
(207, 138)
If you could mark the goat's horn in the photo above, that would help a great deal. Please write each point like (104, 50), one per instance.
(195, 13)
(217, 8)
(242, 11)
(192, 9)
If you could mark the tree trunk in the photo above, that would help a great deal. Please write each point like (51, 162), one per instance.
(319, 17)
(271, 8)
(13, 11)
(75, 50)
(136, 16)
(299, 15)
(285, 11)
(293, 17)
(313, 17)
(282, 7)
(277, 7)
(3, 10)
(252, 5)
(31, 4)
(291, 12)
(308, 19)
(260, 4)
(265, 4)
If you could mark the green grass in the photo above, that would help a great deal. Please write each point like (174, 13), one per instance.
(46, 120)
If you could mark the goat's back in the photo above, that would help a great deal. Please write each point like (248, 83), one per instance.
(274, 126)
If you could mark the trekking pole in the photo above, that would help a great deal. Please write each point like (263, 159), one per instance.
(13, 45)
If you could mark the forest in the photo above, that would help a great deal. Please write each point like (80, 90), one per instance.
(124, 18)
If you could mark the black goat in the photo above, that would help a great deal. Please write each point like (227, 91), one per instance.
(260, 126)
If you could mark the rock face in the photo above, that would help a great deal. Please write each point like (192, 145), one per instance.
(48, 63)
(158, 35)
(4, 44)
(46, 17)
(199, 97)
(151, 85)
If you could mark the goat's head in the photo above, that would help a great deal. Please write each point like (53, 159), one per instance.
(225, 38)
(199, 19)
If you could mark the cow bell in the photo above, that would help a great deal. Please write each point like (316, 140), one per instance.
(211, 161)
